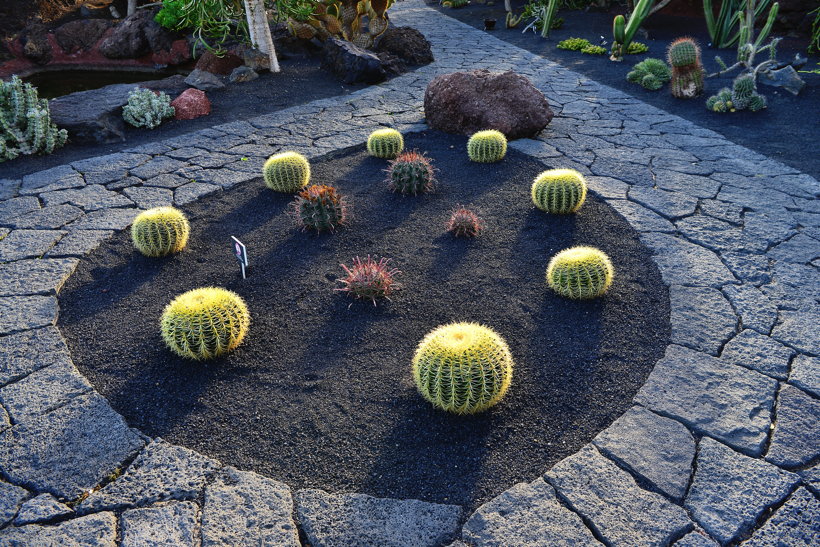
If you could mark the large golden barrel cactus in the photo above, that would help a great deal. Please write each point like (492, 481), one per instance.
(580, 272)
(287, 172)
(559, 191)
(205, 323)
(463, 368)
(160, 231)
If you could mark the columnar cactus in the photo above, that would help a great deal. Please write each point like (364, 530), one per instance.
(205, 323)
(463, 368)
(411, 173)
(487, 146)
(147, 109)
(160, 231)
(559, 191)
(385, 143)
(580, 272)
(464, 223)
(650, 73)
(286, 172)
(25, 122)
(320, 207)
(687, 70)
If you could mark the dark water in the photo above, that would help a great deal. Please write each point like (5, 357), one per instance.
(51, 84)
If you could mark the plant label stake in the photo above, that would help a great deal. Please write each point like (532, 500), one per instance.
(241, 254)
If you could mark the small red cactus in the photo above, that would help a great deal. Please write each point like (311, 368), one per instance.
(320, 207)
(464, 223)
(369, 279)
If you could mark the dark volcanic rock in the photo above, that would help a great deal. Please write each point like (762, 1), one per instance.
(35, 43)
(466, 102)
(407, 44)
(287, 45)
(351, 63)
(392, 64)
(204, 80)
(94, 115)
(80, 34)
(219, 65)
(136, 36)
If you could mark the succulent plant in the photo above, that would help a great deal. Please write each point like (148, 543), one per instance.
(160, 231)
(286, 172)
(463, 368)
(687, 70)
(369, 279)
(146, 108)
(25, 122)
(593, 50)
(757, 102)
(320, 207)
(559, 191)
(487, 146)
(464, 223)
(205, 323)
(411, 173)
(650, 73)
(573, 44)
(385, 143)
(580, 272)
(742, 96)
(636, 48)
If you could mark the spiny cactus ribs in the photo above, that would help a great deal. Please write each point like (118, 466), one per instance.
(385, 143)
(559, 191)
(463, 368)
(205, 323)
(25, 122)
(411, 173)
(487, 146)
(369, 279)
(687, 70)
(464, 223)
(580, 272)
(286, 172)
(320, 207)
(160, 231)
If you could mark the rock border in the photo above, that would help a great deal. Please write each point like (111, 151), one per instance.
(721, 445)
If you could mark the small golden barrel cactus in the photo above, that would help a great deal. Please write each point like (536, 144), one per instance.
(559, 191)
(160, 231)
(286, 172)
(580, 272)
(205, 323)
(463, 368)
(487, 146)
(385, 143)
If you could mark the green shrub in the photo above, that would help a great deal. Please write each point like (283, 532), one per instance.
(25, 122)
(573, 44)
(146, 108)
(636, 48)
(594, 50)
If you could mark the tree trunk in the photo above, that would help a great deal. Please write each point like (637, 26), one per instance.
(260, 30)
(132, 7)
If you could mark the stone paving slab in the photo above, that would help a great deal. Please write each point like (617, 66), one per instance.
(735, 234)
(172, 525)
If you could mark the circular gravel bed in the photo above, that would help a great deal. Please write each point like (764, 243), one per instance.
(320, 394)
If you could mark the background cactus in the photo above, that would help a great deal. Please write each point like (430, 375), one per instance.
(160, 231)
(687, 70)
(369, 279)
(320, 207)
(623, 31)
(464, 223)
(487, 146)
(146, 108)
(385, 143)
(463, 368)
(650, 73)
(580, 272)
(411, 173)
(286, 172)
(205, 323)
(25, 122)
(757, 102)
(559, 191)
(636, 48)
(743, 89)
(742, 96)
(573, 44)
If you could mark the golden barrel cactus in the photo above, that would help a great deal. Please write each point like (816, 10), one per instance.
(580, 272)
(160, 231)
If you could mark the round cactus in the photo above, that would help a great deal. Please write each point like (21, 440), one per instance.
(580, 272)
(757, 102)
(683, 52)
(205, 323)
(369, 279)
(385, 143)
(411, 173)
(487, 146)
(463, 368)
(160, 231)
(320, 207)
(464, 223)
(559, 191)
(743, 89)
(286, 172)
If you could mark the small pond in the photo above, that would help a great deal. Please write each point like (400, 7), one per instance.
(56, 83)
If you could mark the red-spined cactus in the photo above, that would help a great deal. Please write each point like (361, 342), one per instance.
(411, 173)
(320, 207)
(464, 223)
(369, 279)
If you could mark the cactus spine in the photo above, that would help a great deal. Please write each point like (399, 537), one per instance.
(559, 191)
(411, 173)
(580, 272)
(385, 143)
(25, 122)
(463, 368)
(487, 146)
(286, 172)
(320, 207)
(160, 231)
(205, 323)
(687, 70)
